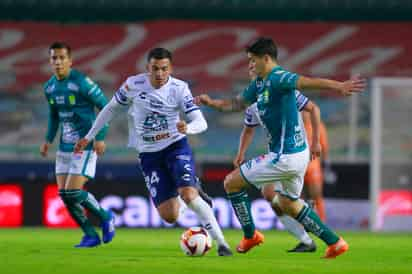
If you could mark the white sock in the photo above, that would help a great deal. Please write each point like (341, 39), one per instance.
(295, 228)
(182, 205)
(207, 219)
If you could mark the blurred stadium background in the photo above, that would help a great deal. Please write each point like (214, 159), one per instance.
(110, 39)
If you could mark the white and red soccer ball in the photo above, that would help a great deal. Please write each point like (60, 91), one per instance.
(195, 241)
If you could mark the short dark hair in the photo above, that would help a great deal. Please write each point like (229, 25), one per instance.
(262, 46)
(60, 45)
(159, 53)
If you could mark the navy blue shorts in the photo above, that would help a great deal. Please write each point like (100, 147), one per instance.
(167, 170)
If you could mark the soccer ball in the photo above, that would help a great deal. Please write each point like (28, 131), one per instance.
(195, 241)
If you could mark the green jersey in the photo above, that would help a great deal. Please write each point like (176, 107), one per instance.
(72, 103)
(276, 104)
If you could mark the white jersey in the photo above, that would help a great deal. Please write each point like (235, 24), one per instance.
(153, 113)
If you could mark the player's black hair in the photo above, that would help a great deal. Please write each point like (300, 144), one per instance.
(60, 45)
(159, 53)
(262, 46)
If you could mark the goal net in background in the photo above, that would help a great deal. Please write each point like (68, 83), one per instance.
(391, 154)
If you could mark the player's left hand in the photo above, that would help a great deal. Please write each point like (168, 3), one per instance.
(99, 147)
(81, 145)
(315, 151)
(181, 127)
(355, 85)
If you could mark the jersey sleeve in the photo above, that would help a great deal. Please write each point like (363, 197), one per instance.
(124, 95)
(186, 102)
(301, 100)
(53, 121)
(251, 119)
(285, 80)
(95, 95)
(249, 95)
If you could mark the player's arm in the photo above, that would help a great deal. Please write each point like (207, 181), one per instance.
(96, 96)
(103, 118)
(52, 127)
(246, 137)
(324, 142)
(314, 113)
(197, 123)
(353, 85)
(235, 104)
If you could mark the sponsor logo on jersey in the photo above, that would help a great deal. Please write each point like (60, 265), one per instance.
(72, 99)
(51, 101)
(139, 82)
(155, 122)
(72, 86)
(60, 100)
(155, 138)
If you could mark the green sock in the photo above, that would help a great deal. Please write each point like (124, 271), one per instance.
(87, 200)
(311, 221)
(77, 213)
(241, 204)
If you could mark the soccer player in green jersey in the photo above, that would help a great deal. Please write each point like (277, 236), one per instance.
(72, 98)
(288, 157)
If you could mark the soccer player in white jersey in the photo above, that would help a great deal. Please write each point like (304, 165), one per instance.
(154, 101)
(274, 92)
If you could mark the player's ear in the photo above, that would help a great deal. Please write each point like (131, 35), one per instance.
(147, 67)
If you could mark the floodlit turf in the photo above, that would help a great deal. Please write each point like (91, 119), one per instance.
(35, 250)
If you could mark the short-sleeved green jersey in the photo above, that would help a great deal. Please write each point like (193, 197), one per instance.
(72, 103)
(276, 104)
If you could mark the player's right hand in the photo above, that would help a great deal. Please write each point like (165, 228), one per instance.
(44, 149)
(203, 99)
(239, 159)
(81, 145)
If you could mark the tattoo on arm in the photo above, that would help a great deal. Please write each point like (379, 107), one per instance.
(236, 104)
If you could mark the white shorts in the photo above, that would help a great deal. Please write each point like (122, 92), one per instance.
(287, 172)
(83, 163)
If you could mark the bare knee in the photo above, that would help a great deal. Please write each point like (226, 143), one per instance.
(268, 192)
(188, 194)
(289, 206)
(234, 182)
(169, 210)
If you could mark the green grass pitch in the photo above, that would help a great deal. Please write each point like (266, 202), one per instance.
(157, 251)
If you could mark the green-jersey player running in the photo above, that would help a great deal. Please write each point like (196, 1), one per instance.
(288, 156)
(72, 98)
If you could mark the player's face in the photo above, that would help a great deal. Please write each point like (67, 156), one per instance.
(252, 71)
(61, 62)
(159, 70)
(257, 63)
